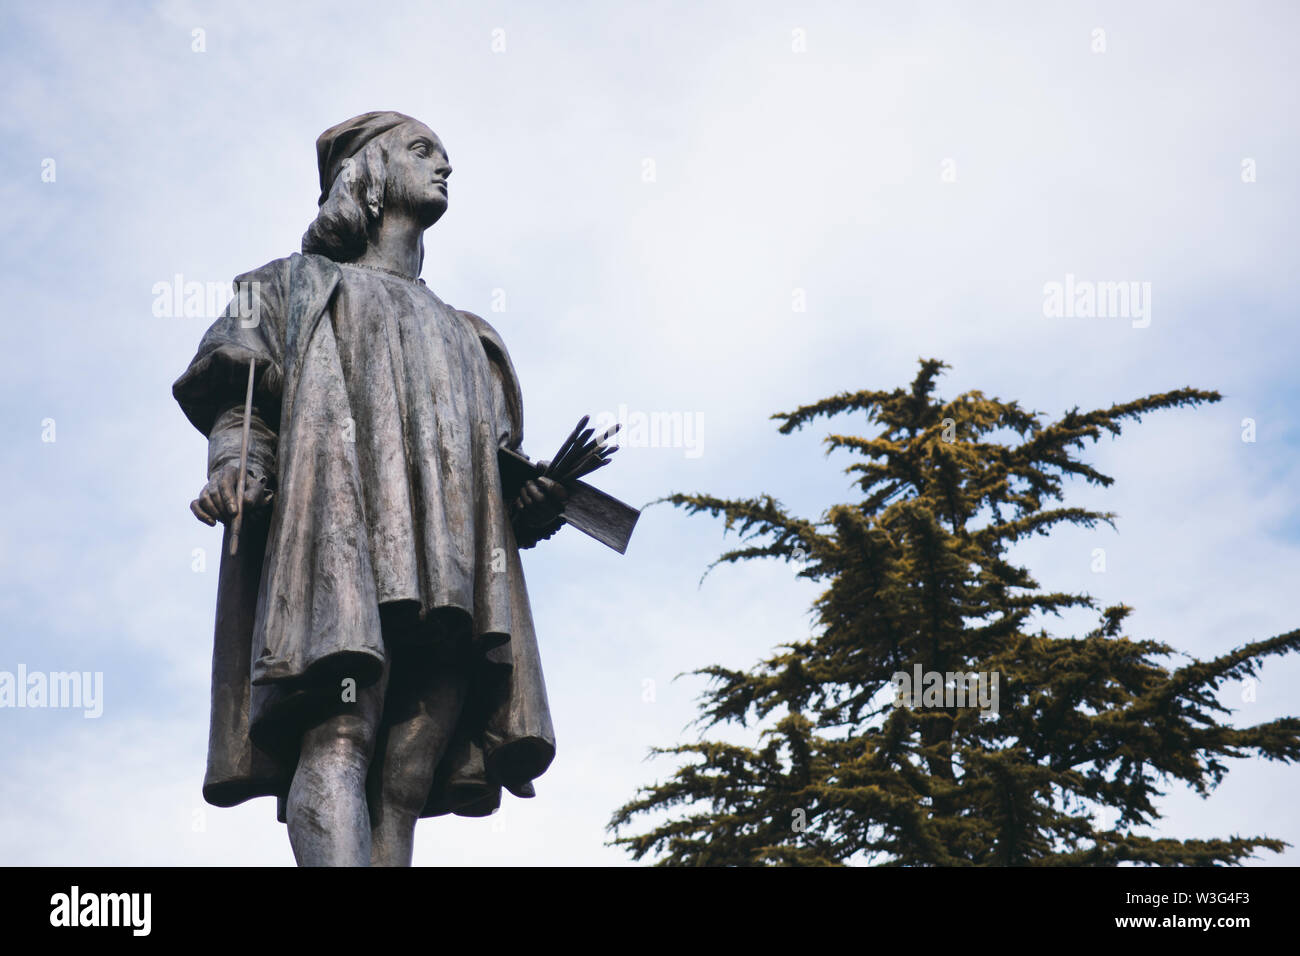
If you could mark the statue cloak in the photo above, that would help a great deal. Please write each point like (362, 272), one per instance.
(296, 607)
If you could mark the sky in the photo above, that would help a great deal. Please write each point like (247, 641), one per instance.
(718, 210)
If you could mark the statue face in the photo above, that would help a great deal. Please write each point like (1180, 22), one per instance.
(417, 173)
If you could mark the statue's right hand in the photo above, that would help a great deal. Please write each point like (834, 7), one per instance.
(216, 502)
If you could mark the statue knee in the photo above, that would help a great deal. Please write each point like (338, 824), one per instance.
(407, 791)
(410, 758)
(345, 738)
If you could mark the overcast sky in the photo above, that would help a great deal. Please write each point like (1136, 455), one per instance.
(651, 191)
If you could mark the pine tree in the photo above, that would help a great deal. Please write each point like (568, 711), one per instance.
(848, 770)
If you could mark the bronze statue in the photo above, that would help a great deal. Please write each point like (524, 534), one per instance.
(375, 660)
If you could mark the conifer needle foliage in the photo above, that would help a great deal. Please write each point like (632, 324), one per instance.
(917, 571)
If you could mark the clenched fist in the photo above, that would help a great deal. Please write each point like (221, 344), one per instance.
(540, 502)
(217, 501)
(538, 511)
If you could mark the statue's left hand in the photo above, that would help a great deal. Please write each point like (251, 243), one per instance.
(540, 502)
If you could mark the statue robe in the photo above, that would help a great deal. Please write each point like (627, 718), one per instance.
(365, 541)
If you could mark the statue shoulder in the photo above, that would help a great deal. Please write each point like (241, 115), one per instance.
(489, 335)
(272, 272)
(279, 273)
(294, 285)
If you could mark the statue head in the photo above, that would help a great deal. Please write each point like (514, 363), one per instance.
(371, 164)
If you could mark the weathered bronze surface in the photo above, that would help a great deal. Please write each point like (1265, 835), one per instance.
(375, 660)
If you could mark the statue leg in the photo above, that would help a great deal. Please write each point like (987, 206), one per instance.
(423, 707)
(327, 815)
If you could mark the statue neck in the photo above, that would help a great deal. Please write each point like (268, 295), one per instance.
(396, 245)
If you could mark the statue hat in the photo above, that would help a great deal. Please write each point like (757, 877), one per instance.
(341, 142)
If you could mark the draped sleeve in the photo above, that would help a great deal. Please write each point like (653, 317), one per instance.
(510, 414)
(251, 327)
(509, 401)
(211, 391)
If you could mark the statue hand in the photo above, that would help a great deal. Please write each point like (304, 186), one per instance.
(540, 502)
(216, 502)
